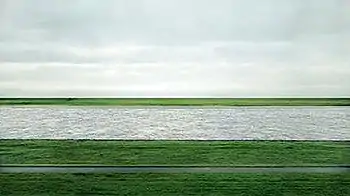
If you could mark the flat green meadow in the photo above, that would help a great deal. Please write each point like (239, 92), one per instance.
(178, 101)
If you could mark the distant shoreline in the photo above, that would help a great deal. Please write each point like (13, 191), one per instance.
(175, 101)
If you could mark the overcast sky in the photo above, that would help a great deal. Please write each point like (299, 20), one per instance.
(235, 48)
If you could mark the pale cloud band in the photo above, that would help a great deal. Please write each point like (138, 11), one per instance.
(225, 48)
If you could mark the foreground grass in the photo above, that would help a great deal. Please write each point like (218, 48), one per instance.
(179, 101)
(185, 153)
(175, 184)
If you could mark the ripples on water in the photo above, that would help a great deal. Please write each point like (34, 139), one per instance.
(209, 123)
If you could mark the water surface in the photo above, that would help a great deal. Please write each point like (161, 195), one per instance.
(176, 123)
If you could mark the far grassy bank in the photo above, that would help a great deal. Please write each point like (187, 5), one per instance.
(175, 184)
(178, 101)
(182, 153)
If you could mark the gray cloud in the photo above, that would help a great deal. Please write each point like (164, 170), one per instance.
(174, 48)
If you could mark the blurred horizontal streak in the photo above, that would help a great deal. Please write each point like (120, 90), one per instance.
(164, 169)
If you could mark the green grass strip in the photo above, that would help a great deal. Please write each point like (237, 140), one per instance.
(175, 153)
(175, 184)
(178, 101)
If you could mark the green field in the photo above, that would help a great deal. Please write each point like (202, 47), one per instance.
(291, 184)
(178, 101)
(183, 153)
(175, 153)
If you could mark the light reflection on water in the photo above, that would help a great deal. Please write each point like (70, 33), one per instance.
(183, 123)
